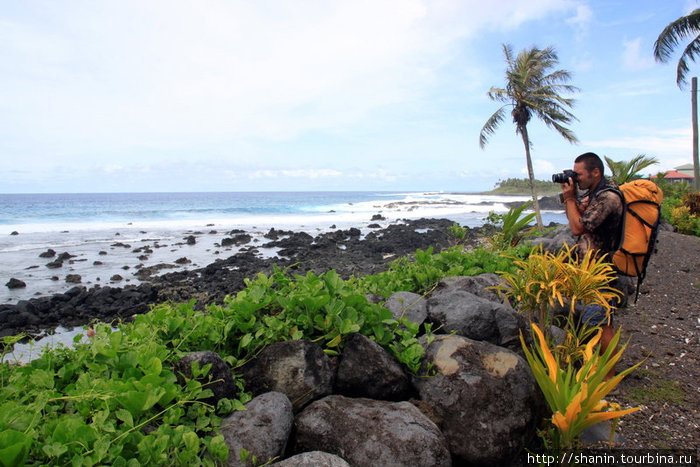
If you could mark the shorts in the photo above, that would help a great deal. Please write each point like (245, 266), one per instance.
(594, 315)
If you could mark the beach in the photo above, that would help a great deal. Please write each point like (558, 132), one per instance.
(111, 240)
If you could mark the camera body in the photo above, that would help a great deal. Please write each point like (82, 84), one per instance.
(564, 176)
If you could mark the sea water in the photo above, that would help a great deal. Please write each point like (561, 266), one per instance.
(106, 232)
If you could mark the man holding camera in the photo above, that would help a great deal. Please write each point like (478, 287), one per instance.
(596, 218)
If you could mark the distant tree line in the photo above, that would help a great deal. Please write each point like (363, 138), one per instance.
(521, 186)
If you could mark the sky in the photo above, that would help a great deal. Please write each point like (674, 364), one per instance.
(305, 95)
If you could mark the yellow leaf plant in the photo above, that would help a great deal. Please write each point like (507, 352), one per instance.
(576, 394)
(545, 279)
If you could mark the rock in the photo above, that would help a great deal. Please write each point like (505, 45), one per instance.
(116, 278)
(485, 396)
(219, 379)
(300, 369)
(54, 264)
(407, 305)
(14, 232)
(367, 370)
(477, 318)
(190, 240)
(553, 241)
(367, 432)
(64, 256)
(240, 239)
(477, 285)
(378, 217)
(15, 284)
(182, 260)
(74, 278)
(48, 254)
(262, 429)
(313, 459)
(374, 226)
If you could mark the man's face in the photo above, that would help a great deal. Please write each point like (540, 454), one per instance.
(586, 179)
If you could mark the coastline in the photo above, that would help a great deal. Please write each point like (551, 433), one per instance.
(350, 251)
(100, 248)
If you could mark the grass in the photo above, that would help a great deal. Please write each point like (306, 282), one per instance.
(656, 388)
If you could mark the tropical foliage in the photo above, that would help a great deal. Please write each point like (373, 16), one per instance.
(626, 171)
(544, 280)
(513, 227)
(533, 87)
(684, 27)
(575, 390)
(681, 206)
(520, 186)
(115, 399)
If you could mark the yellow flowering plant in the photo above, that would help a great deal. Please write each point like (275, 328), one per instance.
(545, 279)
(575, 393)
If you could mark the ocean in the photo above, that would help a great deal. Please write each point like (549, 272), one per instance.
(107, 233)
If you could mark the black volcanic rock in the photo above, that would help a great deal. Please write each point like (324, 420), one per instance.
(345, 251)
(15, 284)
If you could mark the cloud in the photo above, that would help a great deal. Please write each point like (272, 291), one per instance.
(168, 73)
(669, 146)
(541, 167)
(632, 56)
(295, 173)
(582, 20)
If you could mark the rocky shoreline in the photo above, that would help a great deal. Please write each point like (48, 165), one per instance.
(346, 251)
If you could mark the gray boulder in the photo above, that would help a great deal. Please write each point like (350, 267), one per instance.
(300, 369)
(477, 318)
(366, 432)
(485, 398)
(219, 378)
(313, 459)
(367, 370)
(407, 305)
(262, 429)
(553, 241)
(476, 285)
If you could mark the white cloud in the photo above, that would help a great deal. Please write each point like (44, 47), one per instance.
(582, 19)
(295, 173)
(668, 146)
(633, 57)
(541, 167)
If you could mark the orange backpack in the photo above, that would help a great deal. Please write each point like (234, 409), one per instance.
(640, 224)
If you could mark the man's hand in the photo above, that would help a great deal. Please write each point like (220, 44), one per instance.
(568, 190)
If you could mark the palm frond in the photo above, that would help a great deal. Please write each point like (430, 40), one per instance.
(689, 54)
(625, 171)
(490, 126)
(672, 34)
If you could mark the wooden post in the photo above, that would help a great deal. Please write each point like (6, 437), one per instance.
(696, 166)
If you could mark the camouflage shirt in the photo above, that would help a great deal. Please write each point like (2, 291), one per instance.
(602, 219)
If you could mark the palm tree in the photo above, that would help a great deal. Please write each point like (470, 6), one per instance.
(532, 88)
(668, 40)
(626, 171)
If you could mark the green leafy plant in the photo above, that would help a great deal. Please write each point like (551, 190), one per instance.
(513, 227)
(116, 399)
(575, 392)
(545, 279)
(626, 171)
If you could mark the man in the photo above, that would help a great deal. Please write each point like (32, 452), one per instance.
(597, 220)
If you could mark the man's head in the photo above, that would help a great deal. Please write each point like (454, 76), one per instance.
(589, 170)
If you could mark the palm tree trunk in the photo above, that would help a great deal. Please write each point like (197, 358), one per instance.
(694, 100)
(531, 175)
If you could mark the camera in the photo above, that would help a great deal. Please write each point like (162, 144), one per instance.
(564, 176)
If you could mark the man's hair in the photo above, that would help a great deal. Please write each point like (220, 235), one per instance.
(591, 161)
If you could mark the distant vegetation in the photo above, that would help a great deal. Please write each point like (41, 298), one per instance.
(521, 186)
